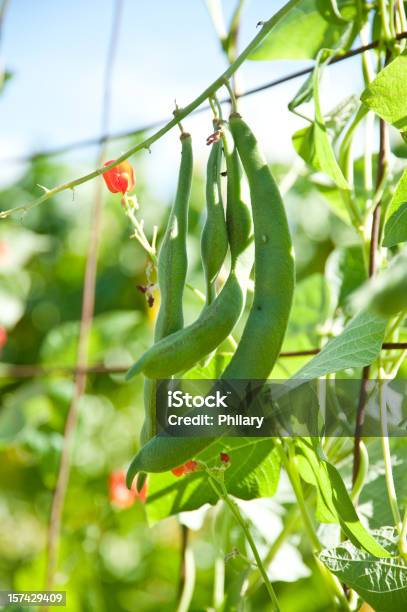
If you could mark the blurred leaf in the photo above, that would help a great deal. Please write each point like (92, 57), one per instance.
(290, 38)
(386, 294)
(335, 499)
(357, 346)
(386, 95)
(373, 504)
(382, 583)
(253, 472)
(109, 330)
(395, 230)
(310, 309)
(12, 421)
(345, 272)
(17, 246)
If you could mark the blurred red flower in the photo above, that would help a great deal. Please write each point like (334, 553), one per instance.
(120, 179)
(3, 337)
(185, 468)
(120, 495)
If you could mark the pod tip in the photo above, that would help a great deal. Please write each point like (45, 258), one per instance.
(134, 370)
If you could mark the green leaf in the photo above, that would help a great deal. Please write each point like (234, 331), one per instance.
(335, 498)
(395, 230)
(303, 142)
(345, 271)
(253, 472)
(386, 294)
(290, 38)
(386, 95)
(357, 346)
(382, 583)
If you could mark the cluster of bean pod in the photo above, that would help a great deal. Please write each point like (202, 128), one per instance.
(177, 348)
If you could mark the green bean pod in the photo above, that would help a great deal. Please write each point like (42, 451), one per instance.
(172, 258)
(172, 271)
(214, 239)
(263, 334)
(238, 215)
(183, 349)
(264, 331)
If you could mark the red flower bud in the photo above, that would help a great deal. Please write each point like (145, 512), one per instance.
(3, 337)
(120, 495)
(120, 179)
(224, 457)
(178, 471)
(185, 468)
(190, 467)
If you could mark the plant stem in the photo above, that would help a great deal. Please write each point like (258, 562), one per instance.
(290, 465)
(373, 247)
(391, 490)
(220, 490)
(187, 573)
(183, 112)
(384, 19)
(289, 526)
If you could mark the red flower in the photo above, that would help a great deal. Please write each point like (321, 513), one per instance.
(4, 249)
(224, 457)
(185, 468)
(120, 179)
(3, 337)
(120, 495)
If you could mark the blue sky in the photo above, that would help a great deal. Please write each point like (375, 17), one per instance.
(167, 50)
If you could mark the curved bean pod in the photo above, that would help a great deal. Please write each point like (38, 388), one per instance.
(264, 331)
(183, 349)
(238, 215)
(214, 239)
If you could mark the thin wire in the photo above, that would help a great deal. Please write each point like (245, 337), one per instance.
(89, 142)
(8, 370)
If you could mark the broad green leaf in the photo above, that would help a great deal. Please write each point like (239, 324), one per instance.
(395, 230)
(382, 583)
(253, 472)
(386, 95)
(386, 294)
(335, 498)
(345, 272)
(357, 346)
(323, 513)
(291, 39)
(313, 145)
